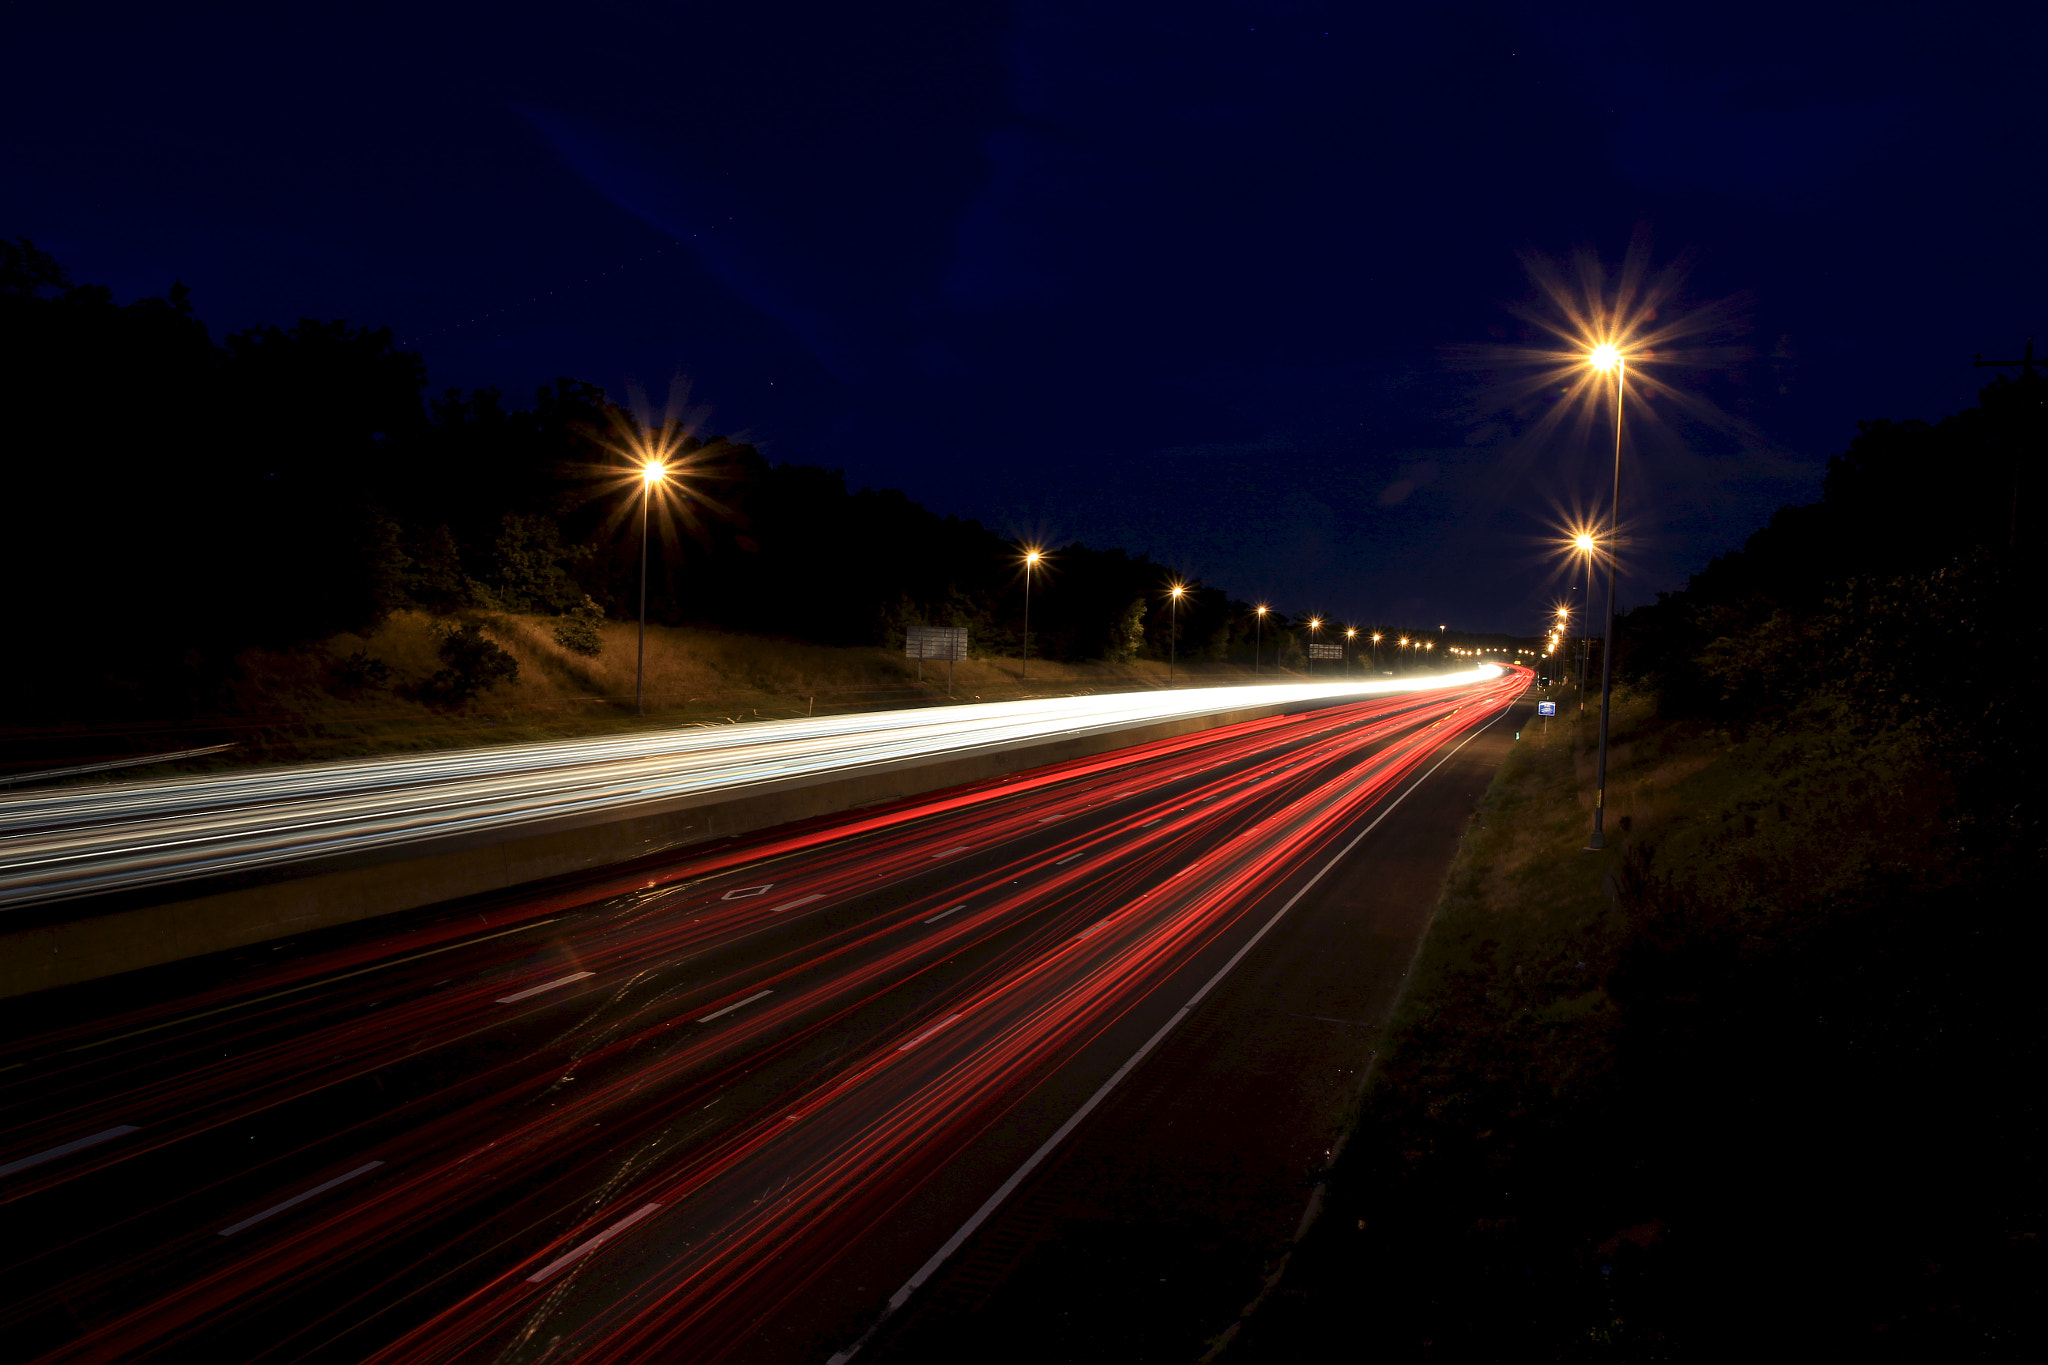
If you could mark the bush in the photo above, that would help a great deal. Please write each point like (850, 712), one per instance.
(474, 663)
(578, 630)
(1127, 636)
(360, 672)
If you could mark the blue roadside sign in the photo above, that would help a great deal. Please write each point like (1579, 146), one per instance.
(1546, 708)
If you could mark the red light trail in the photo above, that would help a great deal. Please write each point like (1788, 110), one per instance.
(627, 1121)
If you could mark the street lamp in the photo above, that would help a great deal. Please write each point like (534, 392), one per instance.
(1604, 358)
(651, 473)
(1173, 627)
(1258, 638)
(1350, 634)
(1376, 637)
(1031, 558)
(1315, 625)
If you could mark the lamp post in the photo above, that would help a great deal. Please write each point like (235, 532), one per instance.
(1315, 626)
(1605, 358)
(1350, 634)
(1258, 638)
(1376, 638)
(1031, 558)
(1173, 628)
(651, 473)
(1583, 545)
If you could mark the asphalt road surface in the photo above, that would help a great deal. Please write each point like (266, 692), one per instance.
(734, 1105)
(85, 841)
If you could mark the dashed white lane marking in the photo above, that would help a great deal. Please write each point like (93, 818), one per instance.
(1149, 823)
(791, 905)
(1091, 928)
(517, 996)
(547, 1271)
(947, 853)
(1048, 819)
(735, 1005)
(299, 1198)
(1068, 859)
(746, 891)
(1075, 1119)
(943, 913)
(78, 1145)
(927, 1033)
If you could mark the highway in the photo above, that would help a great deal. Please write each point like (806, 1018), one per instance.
(83, 841)
(728, 1107)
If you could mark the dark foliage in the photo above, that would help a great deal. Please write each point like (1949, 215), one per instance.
(177, 501)
(471, 662)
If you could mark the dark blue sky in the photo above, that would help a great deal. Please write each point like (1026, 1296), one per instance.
(1181, 277)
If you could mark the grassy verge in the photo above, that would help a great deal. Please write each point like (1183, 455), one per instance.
(1761, 1077)
(305, 705)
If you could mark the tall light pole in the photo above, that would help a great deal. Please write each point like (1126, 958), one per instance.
(1173, 628)
(1315, 626)
(1350, 634)
(1031, 558)
(1584, 545)
(651, 473)
(1258, 638)
(1376, 638)
(1606, 358)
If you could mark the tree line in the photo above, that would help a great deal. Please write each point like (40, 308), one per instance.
(178, 499)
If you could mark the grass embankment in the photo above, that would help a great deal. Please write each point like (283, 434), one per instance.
(1762, 1076)
(306, 705)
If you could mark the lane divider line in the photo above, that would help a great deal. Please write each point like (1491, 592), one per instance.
(943, 913)
(309, 985)
(757, 995)
(791, 905)
(296, 1199)
(68, 1148)
(517, 996)
(1068, 859)
(947, 853)
(1045, 1149)
(743, 892)
(547, 1271)
(927, 1033)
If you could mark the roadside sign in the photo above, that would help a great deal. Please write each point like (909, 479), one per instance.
(1546, 708)
(935, 642)
(1316, 651)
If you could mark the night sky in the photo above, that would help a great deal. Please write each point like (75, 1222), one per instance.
(1196, 279)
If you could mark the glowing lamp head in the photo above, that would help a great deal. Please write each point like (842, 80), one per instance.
(1178, 590)
(1377, 637)
(1604, 357)
(1032, 556)
(1351, 634)
(1583, 544)
(653, 472)
(1262, 611)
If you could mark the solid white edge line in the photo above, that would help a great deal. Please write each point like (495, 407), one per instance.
(517, 996)
(943, 913)
(547, 1271)
(791, 905)
(1009, 1187)
(67, 1149)
(734, 1005)
(927, 1033)
(251, 1222)
(951, 851)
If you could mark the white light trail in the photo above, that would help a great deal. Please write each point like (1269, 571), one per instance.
(65, 844)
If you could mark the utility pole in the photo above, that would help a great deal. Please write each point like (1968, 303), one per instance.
(2028, 368)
